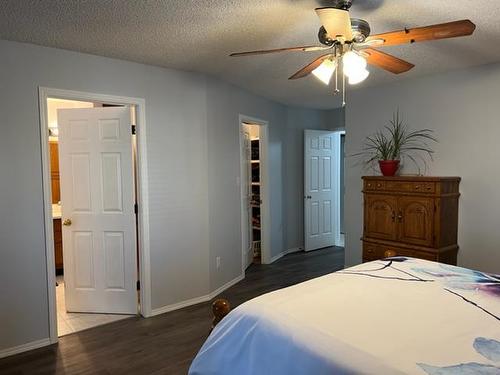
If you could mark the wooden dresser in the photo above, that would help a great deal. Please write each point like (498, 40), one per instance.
(411, 216)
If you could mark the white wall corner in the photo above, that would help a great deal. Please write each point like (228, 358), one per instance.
(24, 347)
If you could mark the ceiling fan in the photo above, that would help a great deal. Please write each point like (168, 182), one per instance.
(351, 47)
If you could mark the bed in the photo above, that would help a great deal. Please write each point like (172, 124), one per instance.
(393, 316)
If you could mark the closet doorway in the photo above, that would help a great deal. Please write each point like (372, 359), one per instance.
(254, 192)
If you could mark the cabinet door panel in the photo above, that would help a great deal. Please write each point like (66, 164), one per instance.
(416, 219)
(380, 211)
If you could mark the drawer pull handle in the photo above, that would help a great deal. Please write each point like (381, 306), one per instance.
(379, 185)
(389, 253)
(417, 187)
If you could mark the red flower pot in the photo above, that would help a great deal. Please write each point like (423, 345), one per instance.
(388, 167)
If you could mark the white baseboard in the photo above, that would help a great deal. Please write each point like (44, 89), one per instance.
(194, 301)
(294, 250)
(24, 347)
(285, 252)
(227, 285)
(277, 256)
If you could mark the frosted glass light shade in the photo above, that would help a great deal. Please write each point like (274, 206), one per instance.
(354, 67)
(336, 22)
(325, 71)
(358, 76)
(353, 62)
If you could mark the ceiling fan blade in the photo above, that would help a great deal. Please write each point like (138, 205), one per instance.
(291, 49)
(370, 43)
(305, 71)
(422, 34)
(385, 61)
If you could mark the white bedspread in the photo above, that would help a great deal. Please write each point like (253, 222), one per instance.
(399, 316)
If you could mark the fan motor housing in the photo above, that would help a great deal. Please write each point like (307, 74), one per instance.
(341, 4)
(360, 30)
(324, 38)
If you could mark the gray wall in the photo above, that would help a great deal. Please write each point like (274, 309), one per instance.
(177, 154)
(286, 158)
(193, 153)
(462, 108)
(224, 104)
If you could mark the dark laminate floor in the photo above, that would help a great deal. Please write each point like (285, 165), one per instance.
(165, 344)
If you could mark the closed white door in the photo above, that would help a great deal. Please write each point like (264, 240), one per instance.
(246, 196)
(97, 195)
(320, 185)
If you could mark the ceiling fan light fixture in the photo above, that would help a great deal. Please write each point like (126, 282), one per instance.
(354, 67)
(353, 62)
(336, 22)
(358, 76)
(325, 71)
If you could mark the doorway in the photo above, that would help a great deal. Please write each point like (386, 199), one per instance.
(96, 232)
(323, 189)
(254, 192)
(77, 157)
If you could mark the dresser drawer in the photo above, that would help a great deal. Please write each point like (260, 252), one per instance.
(371, 252)
(389, 251)
(413, 187)
(374, 185)
(374, 252)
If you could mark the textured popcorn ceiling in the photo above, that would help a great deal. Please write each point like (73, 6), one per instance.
(198, 36)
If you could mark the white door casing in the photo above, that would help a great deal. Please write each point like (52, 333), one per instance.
(321, 155)
(246, 195)
(97, 195)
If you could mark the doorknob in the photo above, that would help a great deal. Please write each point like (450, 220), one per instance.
(67, 222)
(308, 197)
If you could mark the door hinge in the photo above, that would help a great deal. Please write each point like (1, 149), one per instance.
(138, 284)
(133, 129)
(136, 208)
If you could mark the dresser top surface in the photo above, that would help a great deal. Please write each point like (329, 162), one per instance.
(412, 178)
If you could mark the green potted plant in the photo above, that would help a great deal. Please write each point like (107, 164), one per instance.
(395, 142)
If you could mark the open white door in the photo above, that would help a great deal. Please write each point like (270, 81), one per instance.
(246, 196)
(321, 151)
(97, 195)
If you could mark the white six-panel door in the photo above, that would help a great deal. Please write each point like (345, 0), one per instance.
(97, 195)
(320, 188)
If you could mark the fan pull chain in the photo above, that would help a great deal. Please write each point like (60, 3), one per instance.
(343, 85)
(336, 90)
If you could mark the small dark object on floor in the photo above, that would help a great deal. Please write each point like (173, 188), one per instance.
(220, 309)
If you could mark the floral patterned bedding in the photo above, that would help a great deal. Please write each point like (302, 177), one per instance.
(393, 316)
